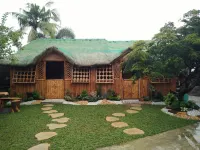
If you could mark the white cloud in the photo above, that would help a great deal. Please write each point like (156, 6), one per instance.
(112, 19)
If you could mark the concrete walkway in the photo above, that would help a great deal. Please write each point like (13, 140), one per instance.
(179, 139)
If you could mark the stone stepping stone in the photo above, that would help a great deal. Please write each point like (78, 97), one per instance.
(45, 135)
(133, 131)
(136, 108)
(50, 111)
(111, 119)
(53, 126)
(61, 120)
(48, 105)
(118, 114)
(119, 124)
(131, 111)
(43, 146)
(56, 115)
(46, 108)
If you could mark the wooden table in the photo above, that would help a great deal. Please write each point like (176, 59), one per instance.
(15, 103)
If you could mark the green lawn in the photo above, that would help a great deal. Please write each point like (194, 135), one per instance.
(87, 128)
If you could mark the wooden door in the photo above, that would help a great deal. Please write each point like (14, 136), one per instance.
(130, 90)
(55, 89)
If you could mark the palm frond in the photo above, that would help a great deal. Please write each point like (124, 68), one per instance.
(48, 4)
(48, 29)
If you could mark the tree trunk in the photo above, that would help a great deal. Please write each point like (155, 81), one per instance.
(189, 83)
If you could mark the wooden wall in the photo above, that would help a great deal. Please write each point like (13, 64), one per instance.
(165, 88)
(125, 88)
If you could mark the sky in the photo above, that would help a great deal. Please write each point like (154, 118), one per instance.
(110, 19)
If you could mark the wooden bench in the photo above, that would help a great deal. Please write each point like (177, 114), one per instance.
(15, 102)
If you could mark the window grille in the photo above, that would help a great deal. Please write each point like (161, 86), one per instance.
(81, 75)
(24, 75)
(104, 74)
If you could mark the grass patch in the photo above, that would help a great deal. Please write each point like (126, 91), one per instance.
(87, 128)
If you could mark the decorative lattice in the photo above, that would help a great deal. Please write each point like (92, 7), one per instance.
(40, 70)
(117, 69)
(81, 75)
(24, 75)
(104, 74)
(68, 70)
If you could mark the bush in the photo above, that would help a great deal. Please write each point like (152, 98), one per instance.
(83, 96)
(111, 95)
(29, 99)
(169, 99)
(192, 105)
(175, 105)
(36, 95)
(68, 93)
(68, 98)
(146, 98)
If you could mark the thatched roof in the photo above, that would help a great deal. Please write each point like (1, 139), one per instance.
(82, 52)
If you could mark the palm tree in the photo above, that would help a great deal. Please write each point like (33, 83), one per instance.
(65, 33)
(39, 19)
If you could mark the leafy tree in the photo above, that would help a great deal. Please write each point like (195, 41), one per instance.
(9, 39)
(171, 53)
(65, 33)
(39, 19)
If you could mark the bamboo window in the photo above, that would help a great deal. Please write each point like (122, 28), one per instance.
(24, 75)
(104, 74)
(81, 75)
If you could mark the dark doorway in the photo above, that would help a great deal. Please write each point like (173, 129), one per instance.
(54, 70)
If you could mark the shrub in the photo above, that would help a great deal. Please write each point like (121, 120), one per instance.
(169, 99)
(68, 98)
(175, 105)
(30, 99)
(68, 93)
(192, 105)
(146, 98)
(83, 96)
(111, 95)
(36, 95)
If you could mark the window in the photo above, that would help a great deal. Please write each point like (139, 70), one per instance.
(54, 70)
(81, 75)
(104, 74)
(24, 75)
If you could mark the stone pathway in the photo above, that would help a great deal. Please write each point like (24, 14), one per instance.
(111, 119)
(116, 123)
(130, 111)
(119, 124)
(50, 111)
(45, 135)
(61, 120)
(56, 115)
(43, 146)
(136, 108)
(118, 114)
(133, 131)
(47, 109)
(53, 126)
